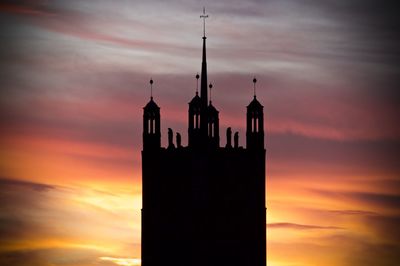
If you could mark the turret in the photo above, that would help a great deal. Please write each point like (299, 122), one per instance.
(151, 124)
(194, 118)
(255, 124)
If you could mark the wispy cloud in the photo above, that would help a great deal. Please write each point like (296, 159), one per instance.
(353, 212)
(376, 200)
(8, 182)
(300, 226)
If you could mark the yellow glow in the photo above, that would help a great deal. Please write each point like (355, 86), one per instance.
(122, 261)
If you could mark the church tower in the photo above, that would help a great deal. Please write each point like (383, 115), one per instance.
(203, 204)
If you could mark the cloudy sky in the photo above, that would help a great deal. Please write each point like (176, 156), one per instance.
(74, 78)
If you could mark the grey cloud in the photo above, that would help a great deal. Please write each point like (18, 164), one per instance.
(50, 257)
(23, 258)
(20, 201)
(34, 215)
(9, 183)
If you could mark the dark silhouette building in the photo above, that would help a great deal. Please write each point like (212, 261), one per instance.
(203, 204)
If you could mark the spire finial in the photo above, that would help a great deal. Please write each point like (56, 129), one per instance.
(254, 86)
(151, 88)
(210, 86)
(204, 16)
(197, 83)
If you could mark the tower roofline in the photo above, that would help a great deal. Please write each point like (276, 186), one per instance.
(151, 105)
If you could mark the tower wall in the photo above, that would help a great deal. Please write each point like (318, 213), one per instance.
(203, 207)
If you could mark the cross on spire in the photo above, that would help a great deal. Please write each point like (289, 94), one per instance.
(204, 16)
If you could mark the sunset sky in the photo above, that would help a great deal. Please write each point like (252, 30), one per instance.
(74, 78)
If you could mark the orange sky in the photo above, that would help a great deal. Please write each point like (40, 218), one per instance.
(74, 81)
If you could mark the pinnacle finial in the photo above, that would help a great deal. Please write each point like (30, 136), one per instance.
(151, 88)
(254, 86)
(197, 83)
(204, 16)
(210, 86)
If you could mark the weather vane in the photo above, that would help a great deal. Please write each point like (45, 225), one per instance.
(204, 16)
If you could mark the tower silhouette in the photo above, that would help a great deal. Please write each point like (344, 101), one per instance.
(203, 204)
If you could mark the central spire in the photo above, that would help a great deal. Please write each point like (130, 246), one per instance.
(203, 85)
